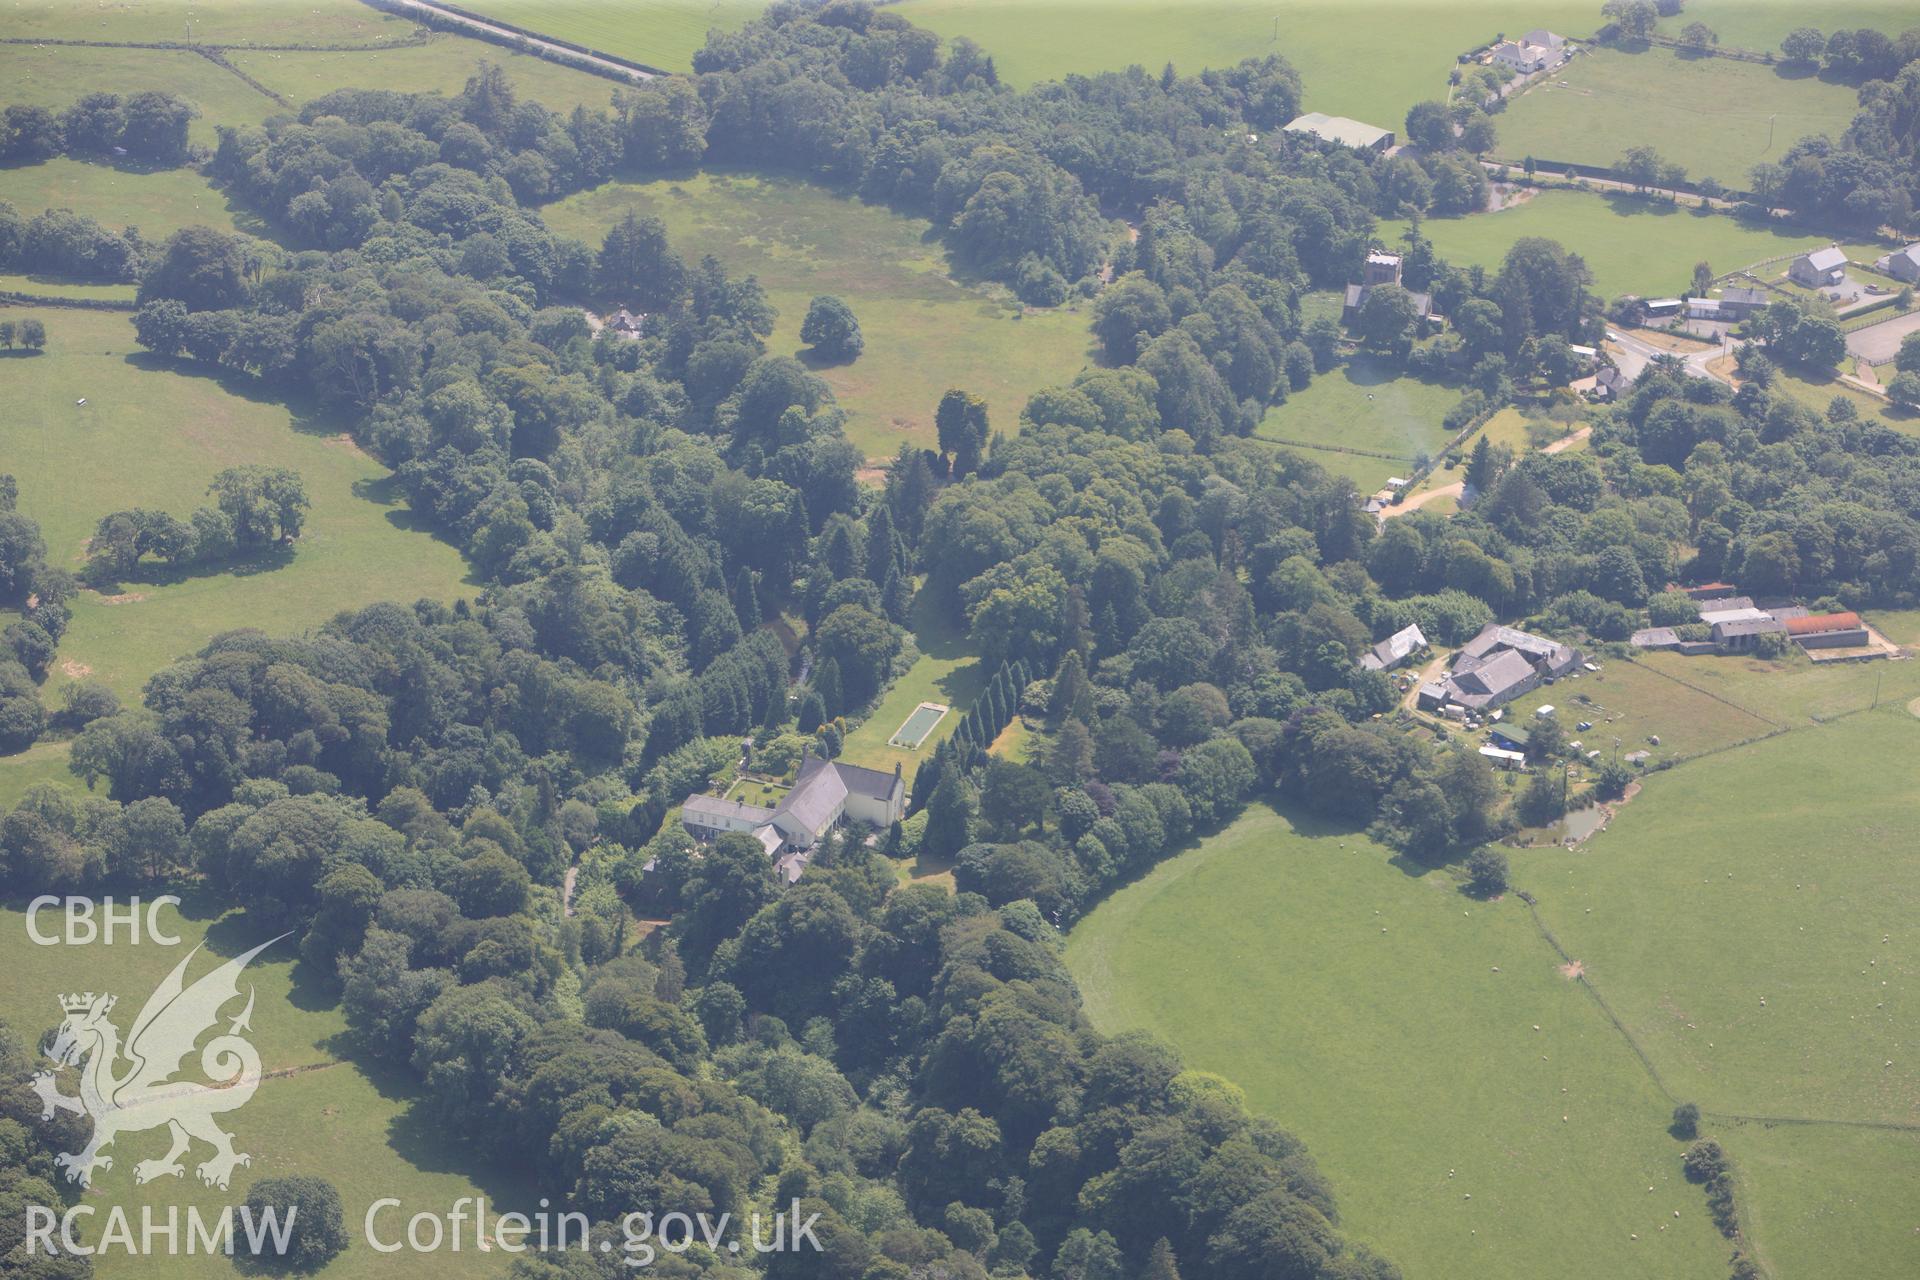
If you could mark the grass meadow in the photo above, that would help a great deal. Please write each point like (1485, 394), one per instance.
(154, 435)
(56, 76)
(1370, 59)
(1390, 1022)
(1633, 244)
(1634, 704)
(1366, 403)
(323, 1113)
(925, 331)
(1737, 113)
(660, 33)
(442, 63)
(1759, 24)
(281, 22)
(159, 202)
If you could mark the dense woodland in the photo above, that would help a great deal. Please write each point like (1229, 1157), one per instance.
(664, 524)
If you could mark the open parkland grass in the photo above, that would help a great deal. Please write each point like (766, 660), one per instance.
(660, 33)
(925, 331)
(1633, 244)
(1370, 59)
(1793, 691)
(56, 76)
(1735, 113)
(272, 22)
(317, 1112)
(1356, 998)
(154, 435)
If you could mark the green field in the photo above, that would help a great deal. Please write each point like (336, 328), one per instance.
(326, 1116)
(55, 76)
(153, 436)
(1749, 918)
(158, 202)
(61, 287)
(1737, 113)
(660, 33)
(44, 761)
(1633, 244)
(443, 63)
(1366, 403)
(1356, 998)
(307, 22)
(1634, 704)
(1793, 691)
(925, 332)
(1370, 59)
(1759, 24)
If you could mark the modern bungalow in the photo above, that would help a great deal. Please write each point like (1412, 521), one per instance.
(1819, 269)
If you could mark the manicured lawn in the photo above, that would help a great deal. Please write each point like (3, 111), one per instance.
(1632, 244)
(154, 435)
(1366, 403)
(159, 202)
(946, 672)
(752, 791)
(328, 1117)
(1715, 117)
(925, 331)
(1356, 998)
(660, 33)
(1370, 59)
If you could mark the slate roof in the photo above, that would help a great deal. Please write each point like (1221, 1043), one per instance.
(1495, 676)
(816, 794)
(862, 781)
(1826, 259)
(1392, 651)
(716, 807)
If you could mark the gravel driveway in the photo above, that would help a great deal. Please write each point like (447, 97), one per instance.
(1879, 342)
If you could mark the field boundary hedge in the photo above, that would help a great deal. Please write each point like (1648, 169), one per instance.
(15, 298)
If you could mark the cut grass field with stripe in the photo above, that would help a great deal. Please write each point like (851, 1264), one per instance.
(1367, 404)
(1356, 999)
(154, 435)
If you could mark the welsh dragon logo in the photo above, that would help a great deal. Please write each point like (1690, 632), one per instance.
(125, 1089)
